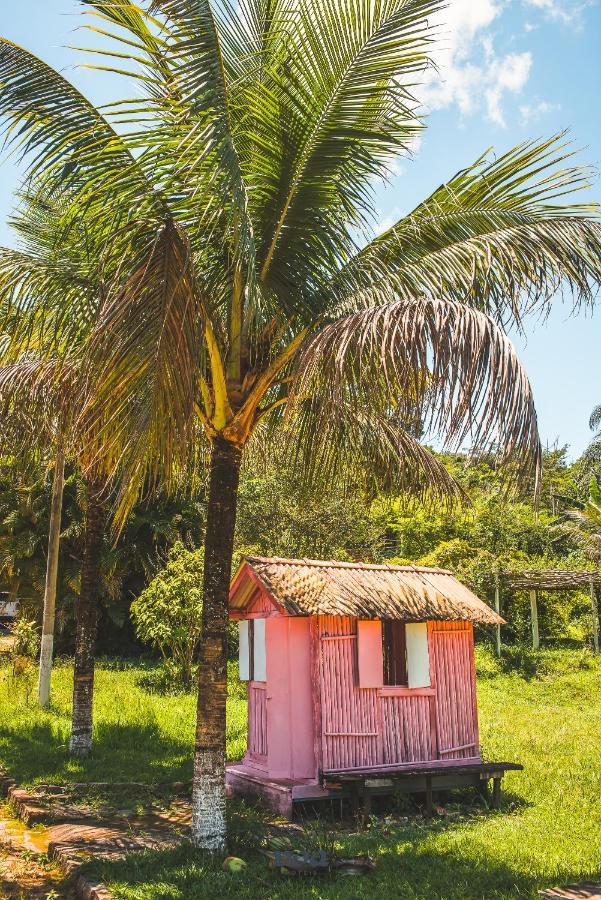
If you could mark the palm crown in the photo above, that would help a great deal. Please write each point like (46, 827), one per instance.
(225, 202)
(227, 199)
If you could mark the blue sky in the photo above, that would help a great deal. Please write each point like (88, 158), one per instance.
(509, 70)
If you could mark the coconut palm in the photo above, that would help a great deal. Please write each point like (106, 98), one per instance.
(50, 288)
(233, 196)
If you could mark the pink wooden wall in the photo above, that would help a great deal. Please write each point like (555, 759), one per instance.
(365, 727)
(311, 714)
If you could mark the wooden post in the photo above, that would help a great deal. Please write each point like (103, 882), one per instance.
(54, 537)
(534, 617)
(429, 797)
(595, 612)
(496, 792)
(498, 611)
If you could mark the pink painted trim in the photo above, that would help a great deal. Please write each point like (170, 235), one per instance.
(246, 572)
(410, 766)
(316, 691)
(474, 692)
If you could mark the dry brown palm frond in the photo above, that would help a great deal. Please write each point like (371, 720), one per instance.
(36, 399)
(144, 365)
(447, 360)
(359, 448)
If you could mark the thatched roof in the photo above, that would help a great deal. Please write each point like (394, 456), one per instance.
(550, 579)
(305, 587)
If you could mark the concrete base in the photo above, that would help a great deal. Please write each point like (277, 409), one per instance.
(278, 794)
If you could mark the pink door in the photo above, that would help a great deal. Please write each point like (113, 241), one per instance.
(456, 721)
(350, 734)
(257, 722)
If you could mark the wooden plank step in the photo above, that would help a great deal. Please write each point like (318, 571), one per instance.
(585, 891)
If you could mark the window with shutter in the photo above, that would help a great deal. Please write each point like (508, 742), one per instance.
(394, 649)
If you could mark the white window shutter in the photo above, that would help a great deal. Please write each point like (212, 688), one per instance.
(418, 657)
(243, 657)
(260, 655)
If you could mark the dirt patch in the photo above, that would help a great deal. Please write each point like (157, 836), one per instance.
(24, 875)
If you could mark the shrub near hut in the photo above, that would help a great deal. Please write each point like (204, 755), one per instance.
(168, 613)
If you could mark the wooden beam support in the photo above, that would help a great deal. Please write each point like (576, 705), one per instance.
(429, 797)
(534, 618)
(595, 612)
(498, 612)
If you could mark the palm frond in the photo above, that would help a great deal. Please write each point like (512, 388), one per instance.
(144, 361)
(36, 400)
(595, 419)
(342, 109)
(61, 135)
(364, 448)
(441, 358)
(499, 235)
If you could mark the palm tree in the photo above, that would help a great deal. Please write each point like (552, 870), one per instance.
(54, 277)
(232, 197)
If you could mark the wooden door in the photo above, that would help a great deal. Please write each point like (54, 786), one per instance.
(257, 723)
(349, 715)
(456, 720)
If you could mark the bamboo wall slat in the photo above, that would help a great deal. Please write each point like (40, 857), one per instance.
(406, 729)
(349, 715)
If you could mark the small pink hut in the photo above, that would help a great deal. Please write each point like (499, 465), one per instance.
(357, 675)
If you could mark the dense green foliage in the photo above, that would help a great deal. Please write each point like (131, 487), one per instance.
(168, 613)
(127, 568)
(497, 528)
(546, 833)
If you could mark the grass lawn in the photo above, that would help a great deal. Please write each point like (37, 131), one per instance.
(548, 832)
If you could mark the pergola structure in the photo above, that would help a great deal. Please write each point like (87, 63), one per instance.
(534, 580)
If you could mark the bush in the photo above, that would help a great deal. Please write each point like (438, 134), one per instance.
(168, 614)
(27, 643)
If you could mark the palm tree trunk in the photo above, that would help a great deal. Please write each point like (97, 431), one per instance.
(86, 618)
(208, 798)
(54, 535)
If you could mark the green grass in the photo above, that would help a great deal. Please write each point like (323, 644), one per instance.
(139, 735)
(548, 832)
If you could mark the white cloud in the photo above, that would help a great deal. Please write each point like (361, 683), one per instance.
(471, 75)
(535, 111)
(567, 12)
(387, 221)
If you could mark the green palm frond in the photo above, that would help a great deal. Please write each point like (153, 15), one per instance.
(50, 286)
(342, 95)
(498, 235)
(60, 134)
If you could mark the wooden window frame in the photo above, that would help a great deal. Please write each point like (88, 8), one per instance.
(394, 669)
(251, 650)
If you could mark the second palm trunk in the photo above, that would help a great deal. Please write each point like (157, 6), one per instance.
(86, 616)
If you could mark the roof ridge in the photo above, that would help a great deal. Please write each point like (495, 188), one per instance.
(343, 564)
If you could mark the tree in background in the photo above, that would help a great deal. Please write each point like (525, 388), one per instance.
(230, 195)
(168, 613)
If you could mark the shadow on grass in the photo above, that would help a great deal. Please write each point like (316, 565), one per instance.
(39, 752)
(404, 869)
